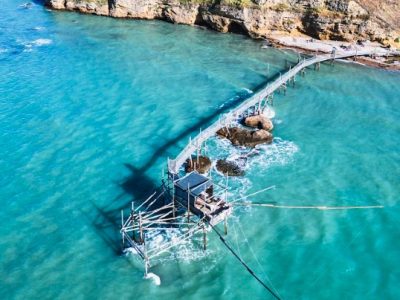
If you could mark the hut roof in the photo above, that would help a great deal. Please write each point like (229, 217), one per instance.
(196, 182)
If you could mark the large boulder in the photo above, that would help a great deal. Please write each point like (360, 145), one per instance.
(229, 168)
(259, 121)
(181, 13)
(201, 164)
(244, 137)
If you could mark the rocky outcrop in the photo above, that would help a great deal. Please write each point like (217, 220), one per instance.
(201, 164)
(345, 20)
(229, 168)
(259, 121)
(243, 137)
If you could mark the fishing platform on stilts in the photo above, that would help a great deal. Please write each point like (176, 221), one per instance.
(193, 203)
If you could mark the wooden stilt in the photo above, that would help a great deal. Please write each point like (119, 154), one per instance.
(140, 228)
(146, 258)
(198, 156)
(133, 218)
(122, 225)
(204, 238)
(173, 199)
(188, 204)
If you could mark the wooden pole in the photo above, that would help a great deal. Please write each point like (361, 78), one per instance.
(204, 238)
(132, 218)
(140, 228)
(188, 204)
(146, 259)
(122, 225)
(198, 155)
(173, 199)
(190, 157)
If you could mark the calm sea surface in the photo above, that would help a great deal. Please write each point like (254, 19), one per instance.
(91, 108)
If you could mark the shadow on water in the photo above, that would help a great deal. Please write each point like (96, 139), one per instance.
(138, 185)
(38, 2)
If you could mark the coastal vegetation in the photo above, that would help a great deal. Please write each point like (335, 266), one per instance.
(341, 20)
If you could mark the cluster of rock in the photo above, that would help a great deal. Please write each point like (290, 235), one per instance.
(245, 137)
(229, 168)
(259, 121)
(200, 164)
(345, 20)
(241, 136)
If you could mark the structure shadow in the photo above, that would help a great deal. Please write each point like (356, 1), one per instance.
(138, 186)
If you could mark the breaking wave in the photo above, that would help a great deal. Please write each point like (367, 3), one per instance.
(189, 250)
(280, 152)
(263, 157)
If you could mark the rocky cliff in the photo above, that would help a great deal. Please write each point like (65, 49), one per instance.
(346, 20)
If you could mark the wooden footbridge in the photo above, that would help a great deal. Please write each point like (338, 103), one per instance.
(193, 203)
(260, 99)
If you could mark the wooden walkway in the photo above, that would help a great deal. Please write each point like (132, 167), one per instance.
(256, 100)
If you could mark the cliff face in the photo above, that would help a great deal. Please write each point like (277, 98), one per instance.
(346, 20)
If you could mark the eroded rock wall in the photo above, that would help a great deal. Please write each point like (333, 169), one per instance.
(345, 20)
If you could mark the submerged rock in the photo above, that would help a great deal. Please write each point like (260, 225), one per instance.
(259, 121)
(229, 168)
(244, 137)
(203, 165)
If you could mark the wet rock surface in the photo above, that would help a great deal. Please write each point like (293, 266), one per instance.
(244, 137)
(229, 168)
(259, 121)
(202, 164)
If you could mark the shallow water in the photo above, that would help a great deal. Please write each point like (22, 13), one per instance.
(90, 109)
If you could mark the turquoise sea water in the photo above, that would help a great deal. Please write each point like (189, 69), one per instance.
(90, 109)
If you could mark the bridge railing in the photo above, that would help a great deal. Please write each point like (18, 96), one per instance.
(175, 164)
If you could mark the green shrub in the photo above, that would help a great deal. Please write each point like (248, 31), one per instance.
(281, 7)
(237, 3)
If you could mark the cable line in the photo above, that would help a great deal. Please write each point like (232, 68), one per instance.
(245, 265)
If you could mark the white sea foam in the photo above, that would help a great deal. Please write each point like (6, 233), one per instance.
(28, 46)
(41, 42)
(27, 5)
(269, 112)
(130, 250)
(3, 50)
(280, 152)
(247, 90)
(156, 279)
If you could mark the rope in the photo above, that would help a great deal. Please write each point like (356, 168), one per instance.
(255, 193)
(258, 262)
(245, 265)
(309, 206)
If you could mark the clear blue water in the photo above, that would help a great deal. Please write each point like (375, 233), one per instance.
(90, 109)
